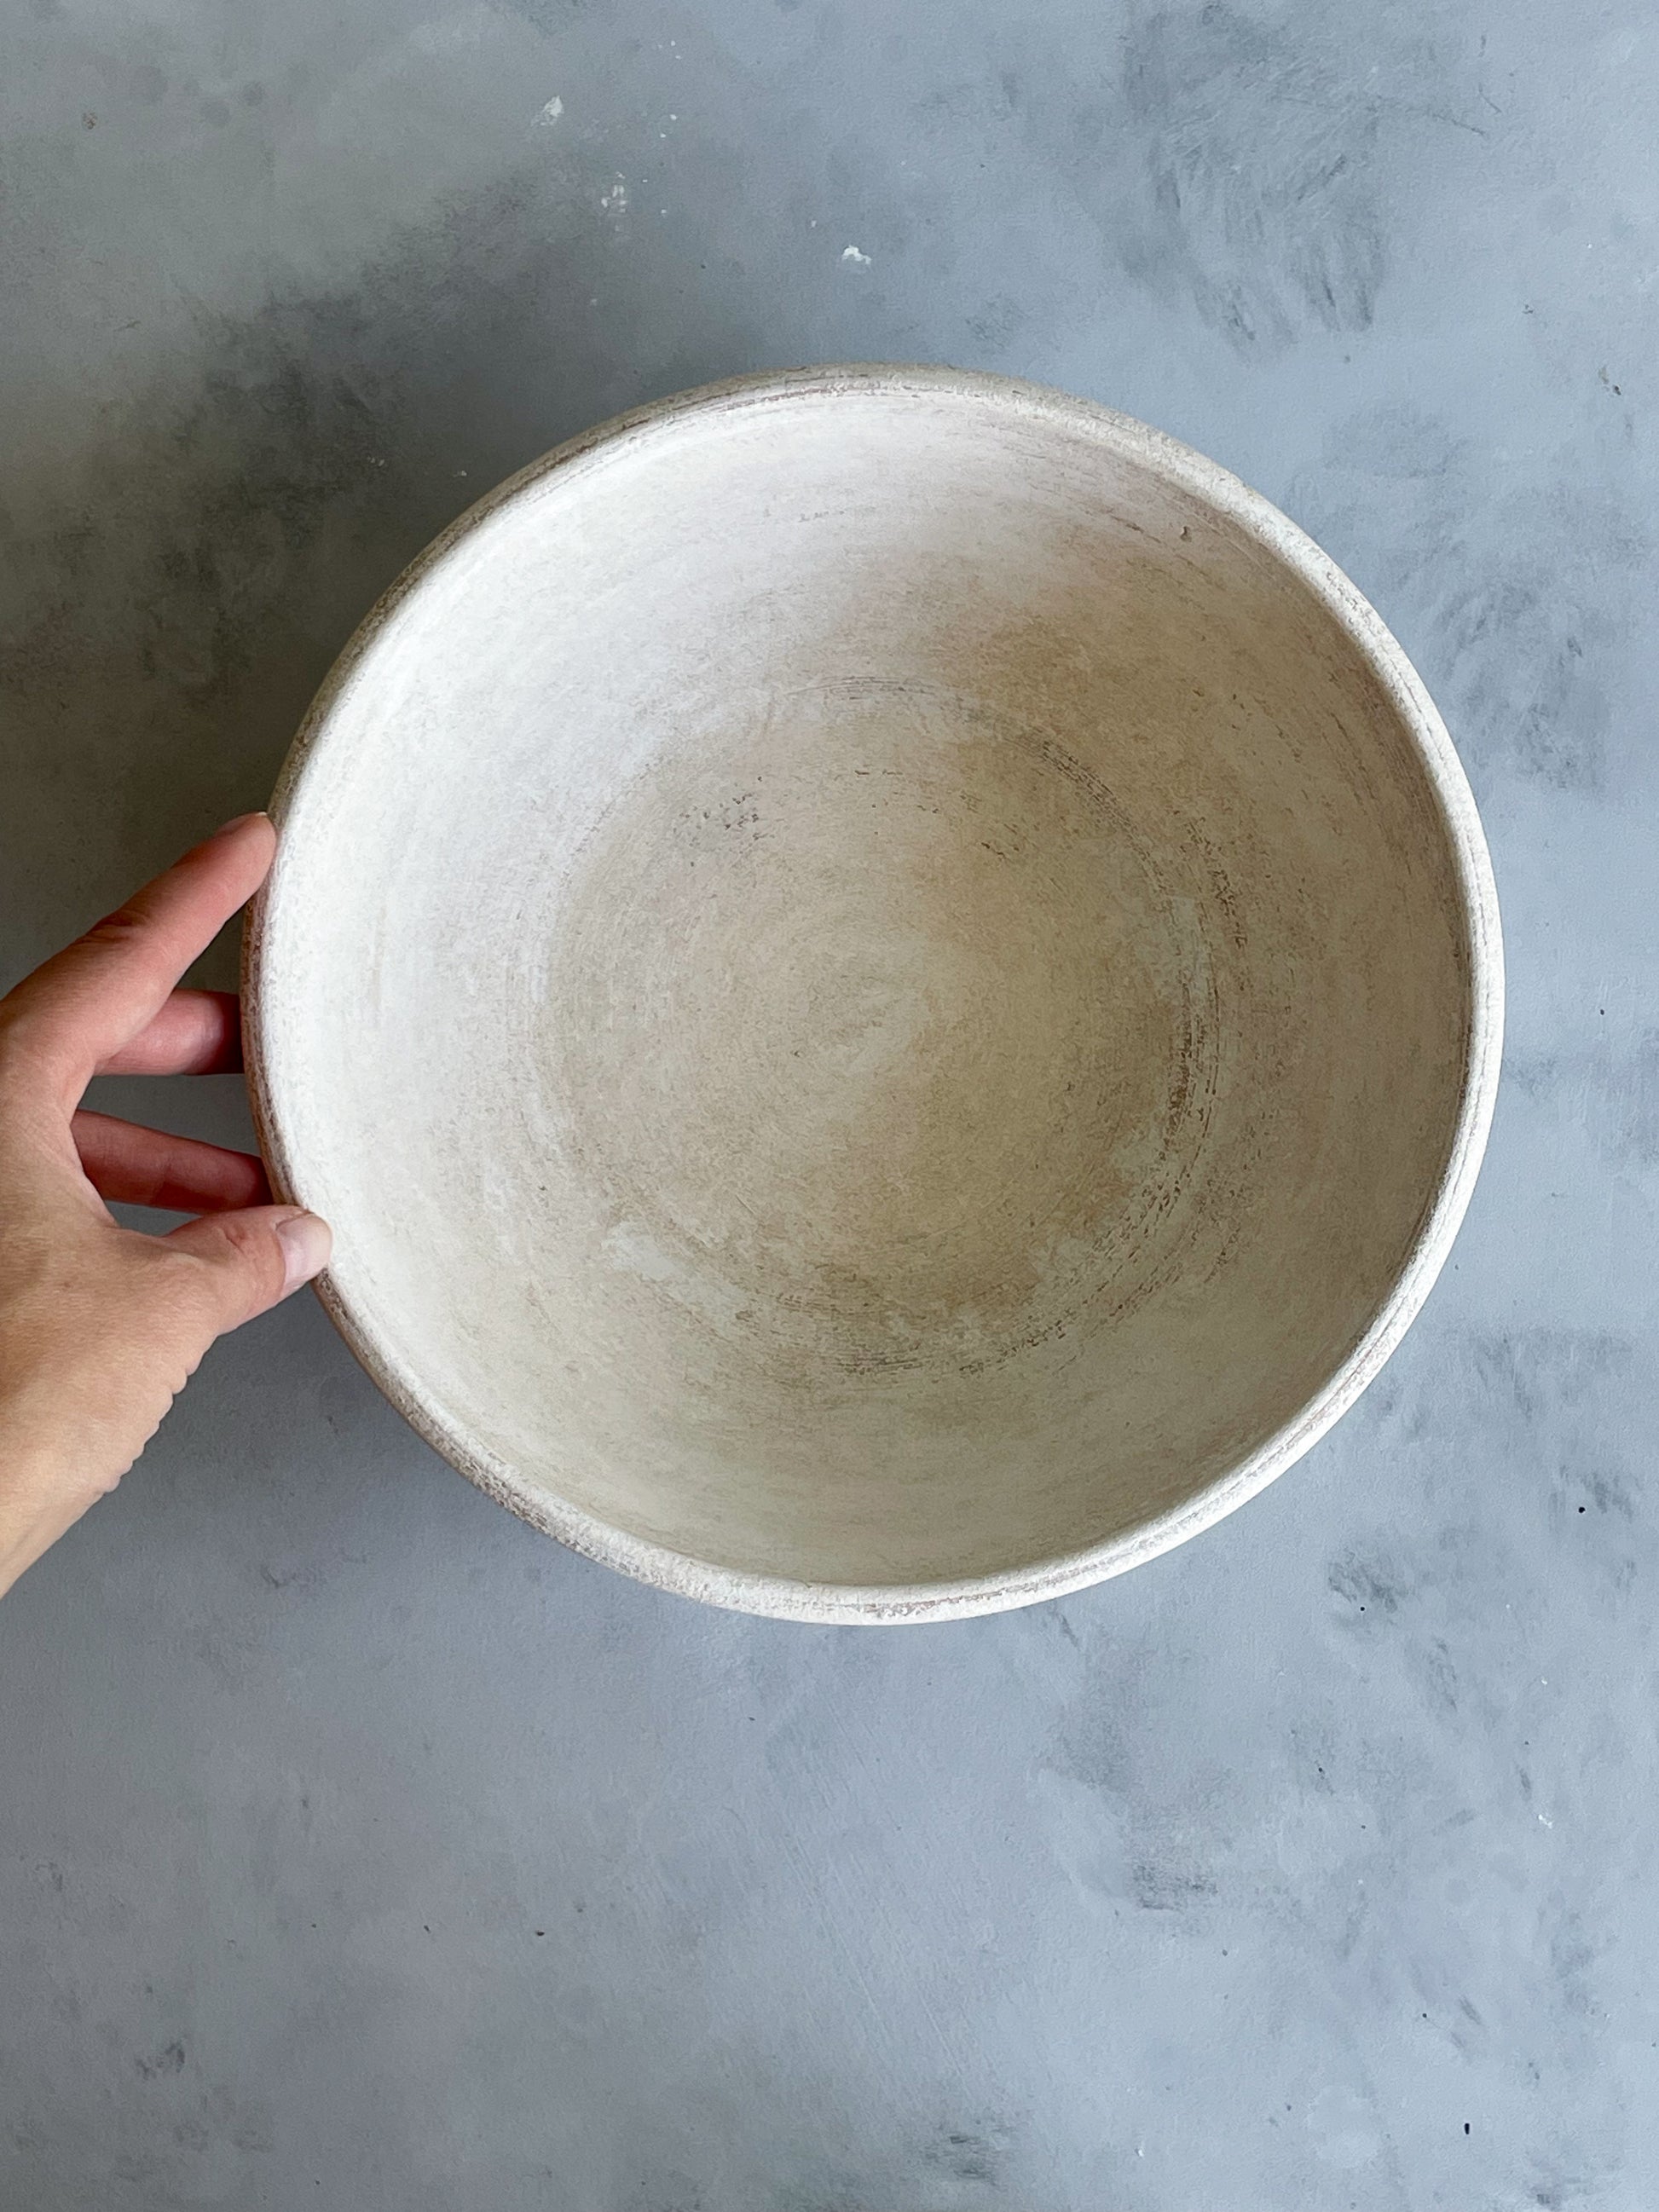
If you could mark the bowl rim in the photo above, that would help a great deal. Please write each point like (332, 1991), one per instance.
(1192, 472)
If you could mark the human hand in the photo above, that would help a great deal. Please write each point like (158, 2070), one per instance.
(100, 1326)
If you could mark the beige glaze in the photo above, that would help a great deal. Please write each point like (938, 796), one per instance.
(891, 986)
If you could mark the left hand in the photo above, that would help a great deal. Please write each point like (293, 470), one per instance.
(100, 1326)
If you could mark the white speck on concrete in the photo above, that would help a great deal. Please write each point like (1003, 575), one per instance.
(552, 111)
(859, 260)
(614, 202)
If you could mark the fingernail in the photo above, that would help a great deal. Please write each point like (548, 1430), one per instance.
(237, 821)
(306, 1243)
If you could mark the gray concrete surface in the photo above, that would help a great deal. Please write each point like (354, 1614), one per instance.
(359, 1849)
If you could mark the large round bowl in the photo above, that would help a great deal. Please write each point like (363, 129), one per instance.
(891, 986)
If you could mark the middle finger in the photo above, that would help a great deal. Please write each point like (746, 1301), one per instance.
(194, 1033)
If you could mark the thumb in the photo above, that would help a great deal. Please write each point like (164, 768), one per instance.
(251, 1259)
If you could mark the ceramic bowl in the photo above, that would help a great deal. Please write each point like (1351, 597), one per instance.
(891, 986)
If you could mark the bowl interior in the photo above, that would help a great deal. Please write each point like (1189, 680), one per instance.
(876, 989)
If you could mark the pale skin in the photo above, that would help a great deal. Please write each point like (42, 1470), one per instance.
(102, 1325)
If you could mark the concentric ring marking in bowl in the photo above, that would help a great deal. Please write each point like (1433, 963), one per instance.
(892, 986)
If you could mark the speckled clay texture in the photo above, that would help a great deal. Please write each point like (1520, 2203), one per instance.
(892, 987)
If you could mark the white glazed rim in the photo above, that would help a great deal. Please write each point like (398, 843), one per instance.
(835, 1602)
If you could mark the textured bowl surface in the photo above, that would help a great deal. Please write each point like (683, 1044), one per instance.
(891, 986)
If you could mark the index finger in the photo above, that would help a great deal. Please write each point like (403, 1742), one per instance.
(82, 1006)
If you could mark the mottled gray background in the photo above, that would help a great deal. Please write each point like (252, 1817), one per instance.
(357, 1847)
